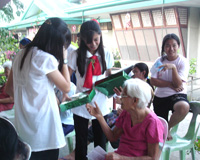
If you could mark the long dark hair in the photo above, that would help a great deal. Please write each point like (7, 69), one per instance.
(10, 144)
(51, 37)
(87, 31)
(142, 67)
(165, 39)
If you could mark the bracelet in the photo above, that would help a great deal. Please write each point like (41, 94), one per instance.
(65, 61)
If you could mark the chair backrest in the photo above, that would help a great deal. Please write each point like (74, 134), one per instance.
(28, 148)
(165, 125)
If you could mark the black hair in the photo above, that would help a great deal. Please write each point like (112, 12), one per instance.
(25, 41)
(142, 67)
(10, 144)
(51, 37)
(87, 31)
(165, 39)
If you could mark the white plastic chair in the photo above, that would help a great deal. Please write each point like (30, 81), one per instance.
(28, 150)
(182, 144)
(165, 125)
(69, 138)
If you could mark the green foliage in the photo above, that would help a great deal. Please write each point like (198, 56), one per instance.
(117, 64)
(2, 80)
(116, 54)
(197, 144)
(193, 65)
(8, 46)
(75, 44)
(7, 12)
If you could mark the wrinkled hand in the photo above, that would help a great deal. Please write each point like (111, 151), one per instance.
(94, 111)
(112, 156)
(167, 66)
(66, 97)
(119, 111)
(118, 91)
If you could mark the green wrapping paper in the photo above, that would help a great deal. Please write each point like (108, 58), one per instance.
(104, 86)
(107, 84)
(78, 100)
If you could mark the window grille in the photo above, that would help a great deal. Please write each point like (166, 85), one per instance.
(145, 19)
(170, 16)
(116, 22)
(135, 20)
(183, 15)
(157, 18)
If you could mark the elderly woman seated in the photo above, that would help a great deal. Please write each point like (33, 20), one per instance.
(139, 128)
(6, 101)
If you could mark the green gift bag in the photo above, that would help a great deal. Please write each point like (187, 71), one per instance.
(107, 84)
(78, 100)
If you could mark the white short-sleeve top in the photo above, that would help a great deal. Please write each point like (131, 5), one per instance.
(100, 98)
(70, 50)
(37, 118)
(182, 66)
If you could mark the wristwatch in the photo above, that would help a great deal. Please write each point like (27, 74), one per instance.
(65, 61)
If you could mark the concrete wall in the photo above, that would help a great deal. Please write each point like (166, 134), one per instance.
(109, 40)
(193, 43)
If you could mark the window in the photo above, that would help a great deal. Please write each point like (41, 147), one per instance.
(157, 17)
(116, 21)
(170, 16)
(146, 19)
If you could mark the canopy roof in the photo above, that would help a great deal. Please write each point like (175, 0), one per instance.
(77, 11)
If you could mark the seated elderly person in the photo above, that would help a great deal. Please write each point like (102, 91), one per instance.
(138, 127)
(6, 101)
(11, 147)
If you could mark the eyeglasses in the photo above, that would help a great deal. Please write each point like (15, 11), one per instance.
(124, 96)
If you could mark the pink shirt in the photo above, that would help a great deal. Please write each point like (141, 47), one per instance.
(134, 140)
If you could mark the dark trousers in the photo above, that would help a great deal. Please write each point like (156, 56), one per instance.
(81, 129)
(45, 155)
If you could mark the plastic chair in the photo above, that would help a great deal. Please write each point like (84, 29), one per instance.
(70, 140)
(182, 144)
(165, 125)
(28, 148)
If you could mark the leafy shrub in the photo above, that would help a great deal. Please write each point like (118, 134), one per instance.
(197, 144)
(117, 64)
(193, 65)
(116, 54)
(8, 45)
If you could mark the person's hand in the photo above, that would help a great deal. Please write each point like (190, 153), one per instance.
(118, 91)
(167, 66)
(112, 156)
(179, 89)
(94, 111)
(119, 111)
(66, 97)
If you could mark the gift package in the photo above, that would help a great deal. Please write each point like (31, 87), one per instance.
(104, 86)
(78, 100)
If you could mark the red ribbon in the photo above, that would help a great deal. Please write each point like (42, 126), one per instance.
(94, 68)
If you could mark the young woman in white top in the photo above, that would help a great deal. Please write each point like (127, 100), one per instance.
(90, 55)
(35, 71)
(170, 82)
